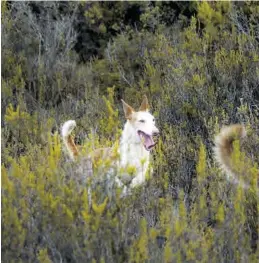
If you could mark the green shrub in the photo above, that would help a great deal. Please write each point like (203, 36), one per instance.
(198, 73)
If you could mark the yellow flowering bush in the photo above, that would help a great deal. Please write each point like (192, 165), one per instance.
(197, 63)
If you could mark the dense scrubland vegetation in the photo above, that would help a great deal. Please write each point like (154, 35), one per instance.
(198, 63)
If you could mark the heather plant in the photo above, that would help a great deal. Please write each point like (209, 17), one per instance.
(199, 68)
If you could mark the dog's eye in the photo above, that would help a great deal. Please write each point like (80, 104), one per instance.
(153, 120)
(143, 121)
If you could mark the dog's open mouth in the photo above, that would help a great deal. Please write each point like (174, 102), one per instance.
(147, 140)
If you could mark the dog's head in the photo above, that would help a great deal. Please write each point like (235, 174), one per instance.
(142, 123)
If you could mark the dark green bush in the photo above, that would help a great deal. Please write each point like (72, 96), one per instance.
(198, 64)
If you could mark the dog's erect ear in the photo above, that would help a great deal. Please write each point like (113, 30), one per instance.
(144, 105)
(128, 110)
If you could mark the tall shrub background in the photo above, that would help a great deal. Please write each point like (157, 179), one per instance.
(198, 63)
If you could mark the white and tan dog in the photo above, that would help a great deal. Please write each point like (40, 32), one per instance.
(134, 147)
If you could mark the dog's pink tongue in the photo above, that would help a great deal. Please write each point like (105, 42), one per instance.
(149, 143)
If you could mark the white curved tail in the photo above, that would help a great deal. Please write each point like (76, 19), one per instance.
(66, 131)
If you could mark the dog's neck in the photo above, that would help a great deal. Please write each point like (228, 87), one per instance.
(132, 152)
(129, 135)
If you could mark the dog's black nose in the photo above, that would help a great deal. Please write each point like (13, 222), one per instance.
(155, 133)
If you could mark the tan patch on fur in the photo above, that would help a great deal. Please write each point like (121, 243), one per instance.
(225, 139)
(104, 154)
(134, 117)
(72, 146)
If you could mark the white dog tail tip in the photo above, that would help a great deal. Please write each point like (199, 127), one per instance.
(66, 130)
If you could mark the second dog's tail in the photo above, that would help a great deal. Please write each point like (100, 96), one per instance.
(66, 130)
(224, 148)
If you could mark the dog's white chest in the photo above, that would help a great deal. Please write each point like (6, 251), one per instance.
(136, 157)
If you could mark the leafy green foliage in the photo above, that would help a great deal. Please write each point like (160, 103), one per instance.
(197, 63)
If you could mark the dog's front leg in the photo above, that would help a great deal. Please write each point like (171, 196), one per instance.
(138, 180)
